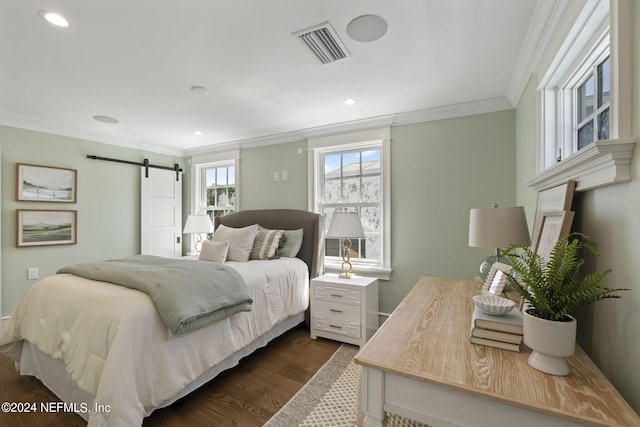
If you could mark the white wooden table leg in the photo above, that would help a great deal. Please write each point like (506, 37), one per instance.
(373, 398)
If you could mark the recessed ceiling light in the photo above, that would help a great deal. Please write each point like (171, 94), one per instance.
(367, 28)
(106, 119)
(55, 19)
(199, 90)
(197, 133)
(349, 101)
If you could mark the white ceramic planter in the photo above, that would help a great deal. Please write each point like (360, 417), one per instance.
(551, 341)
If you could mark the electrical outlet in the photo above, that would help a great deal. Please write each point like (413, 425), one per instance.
(276, 176)
(33, 273)
(284, 175)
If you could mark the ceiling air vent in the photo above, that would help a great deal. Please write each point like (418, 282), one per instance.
(324, 43)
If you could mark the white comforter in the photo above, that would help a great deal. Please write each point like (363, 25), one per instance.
(116, 347)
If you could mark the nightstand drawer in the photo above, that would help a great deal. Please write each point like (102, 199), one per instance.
(337, 309)
(335, 294)
(350, 328)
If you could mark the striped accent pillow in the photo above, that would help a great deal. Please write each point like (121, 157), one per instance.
(266, 244)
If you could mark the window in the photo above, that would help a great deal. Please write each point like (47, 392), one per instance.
(577, 106)
(354, 177)
(592, 106)
(219, 190)
(584, 99)
(353, 183)
(215, 183)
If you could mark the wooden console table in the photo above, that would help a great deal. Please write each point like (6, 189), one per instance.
(421, 365)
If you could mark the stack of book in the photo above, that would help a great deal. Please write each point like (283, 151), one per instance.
(503, 332)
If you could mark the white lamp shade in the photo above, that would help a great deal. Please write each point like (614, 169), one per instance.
(345, 225)
(498, 227)
(198, 224)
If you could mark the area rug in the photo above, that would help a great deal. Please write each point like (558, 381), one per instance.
(330, 398)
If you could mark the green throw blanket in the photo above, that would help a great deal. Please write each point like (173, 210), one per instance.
(188, 294)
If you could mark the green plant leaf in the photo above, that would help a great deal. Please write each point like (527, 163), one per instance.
(555, 287)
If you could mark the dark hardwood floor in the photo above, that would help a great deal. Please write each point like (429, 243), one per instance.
(246, 395)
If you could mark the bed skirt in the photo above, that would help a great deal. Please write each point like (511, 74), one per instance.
(51, 372)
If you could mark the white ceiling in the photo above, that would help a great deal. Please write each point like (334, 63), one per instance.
(136, 60)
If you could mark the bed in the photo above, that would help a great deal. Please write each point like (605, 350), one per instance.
(105, 351)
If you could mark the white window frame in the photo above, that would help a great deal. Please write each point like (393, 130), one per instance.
(569, 92)
(202, 190)
(198, 190)
(602, 25)
(346, 142)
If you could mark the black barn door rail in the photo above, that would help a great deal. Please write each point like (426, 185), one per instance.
(145, 163)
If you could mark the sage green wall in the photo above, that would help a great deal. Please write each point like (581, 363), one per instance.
(526, 151)
(609, 330)
(108, 204)
(258, 190)
(439, 170)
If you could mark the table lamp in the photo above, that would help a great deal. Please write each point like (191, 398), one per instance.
(345, 226)
(497, 228)
(198, 224)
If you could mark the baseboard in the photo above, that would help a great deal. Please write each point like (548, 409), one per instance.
(382, 317)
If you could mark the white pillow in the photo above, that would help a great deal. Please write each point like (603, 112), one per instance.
(240, 241)
(214, 251)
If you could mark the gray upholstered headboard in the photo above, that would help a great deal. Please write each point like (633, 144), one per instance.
(286, 219)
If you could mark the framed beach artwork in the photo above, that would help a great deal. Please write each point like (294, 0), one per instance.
(45, 184)
(553, 226)
(552, 199)
(46, 227)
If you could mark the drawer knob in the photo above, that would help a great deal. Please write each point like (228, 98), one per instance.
(335, 310)
(335, 326)
(336, 295)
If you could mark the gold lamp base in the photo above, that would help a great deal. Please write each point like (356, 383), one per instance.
(346, 259)
(198, 245)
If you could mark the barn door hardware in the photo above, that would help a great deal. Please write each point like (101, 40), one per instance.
(145, 163)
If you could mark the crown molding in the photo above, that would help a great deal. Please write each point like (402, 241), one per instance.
(26, 123)
(552, 20)
(398, 119)
(472, 108)
(440, 113)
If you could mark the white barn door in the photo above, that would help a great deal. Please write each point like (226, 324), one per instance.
(161, 213)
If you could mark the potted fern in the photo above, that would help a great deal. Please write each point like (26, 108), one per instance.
(553, 288)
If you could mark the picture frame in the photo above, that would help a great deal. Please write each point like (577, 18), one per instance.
(554, 199)
(36, 183)
(496, 279)
(36, 227)
(553, 226)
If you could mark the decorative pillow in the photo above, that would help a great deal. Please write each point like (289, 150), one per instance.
(240, 241)
(291, 243)
(266, 243)
(214, 251)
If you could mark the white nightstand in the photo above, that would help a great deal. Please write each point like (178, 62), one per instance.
(344, 309)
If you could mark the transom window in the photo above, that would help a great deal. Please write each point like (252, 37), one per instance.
(585, 129)
(592, 105)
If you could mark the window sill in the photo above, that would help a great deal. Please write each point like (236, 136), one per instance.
(602, 163)
(377, 272)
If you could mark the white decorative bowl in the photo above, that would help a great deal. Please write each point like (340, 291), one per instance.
(494, 305)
